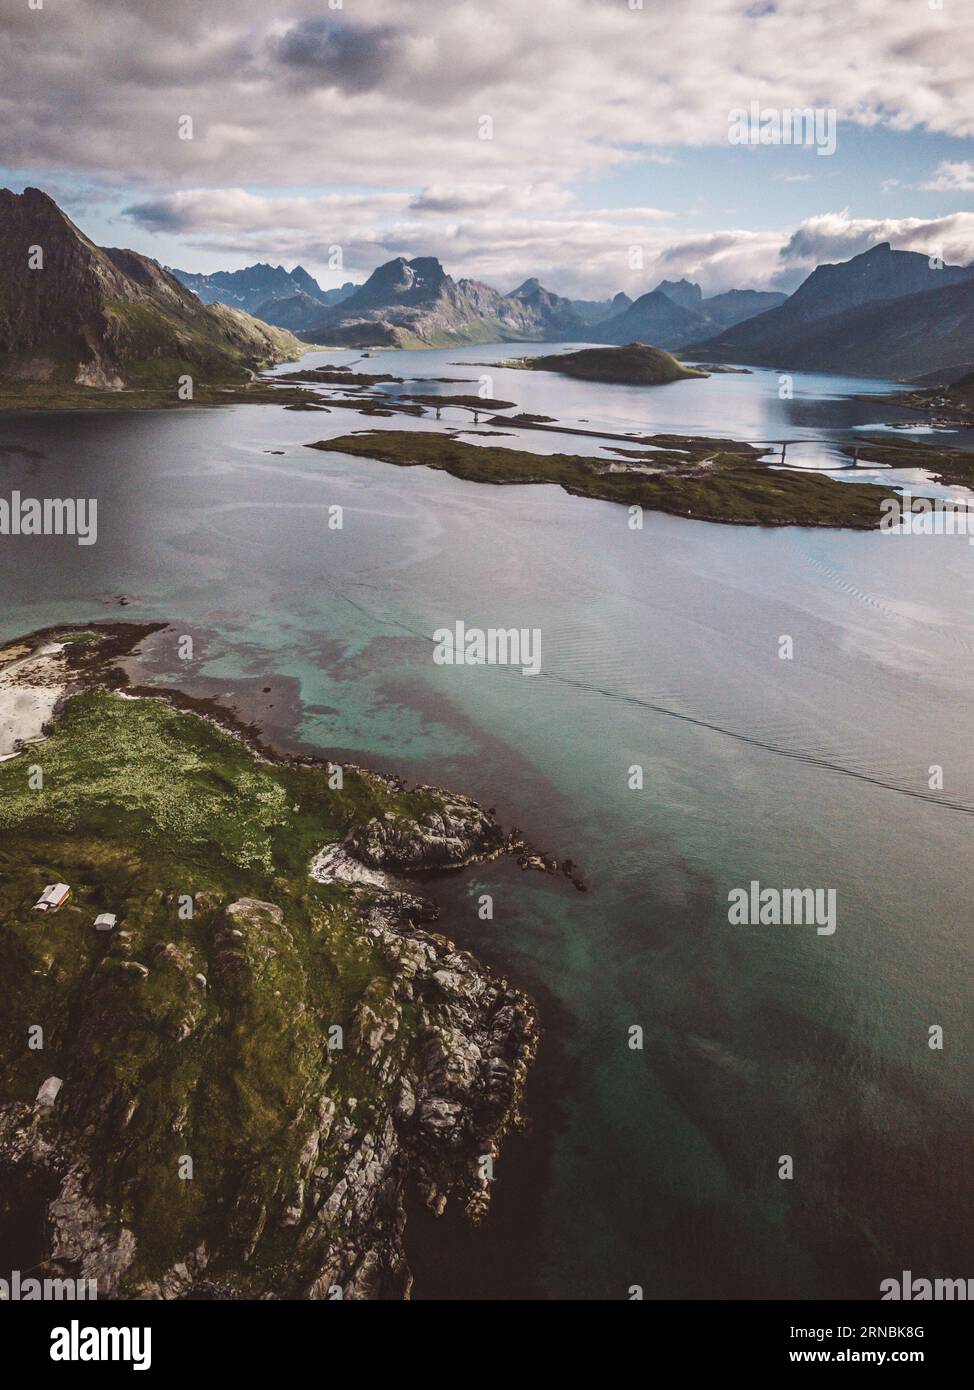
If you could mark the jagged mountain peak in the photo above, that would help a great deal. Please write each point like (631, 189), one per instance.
(683, 292)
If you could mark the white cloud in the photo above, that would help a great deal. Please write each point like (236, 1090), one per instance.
(835, 236)
(390, 94)
(952, 176)
(580, 253)
(360, 126)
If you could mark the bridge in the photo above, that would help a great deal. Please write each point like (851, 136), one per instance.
(783, 445)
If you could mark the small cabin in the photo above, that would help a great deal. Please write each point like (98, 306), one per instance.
(48, 1093)
(55, 895)
(105, 921)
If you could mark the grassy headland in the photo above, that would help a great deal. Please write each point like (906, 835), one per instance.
(212, 1036)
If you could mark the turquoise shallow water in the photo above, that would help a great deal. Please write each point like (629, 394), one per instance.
(659, 648)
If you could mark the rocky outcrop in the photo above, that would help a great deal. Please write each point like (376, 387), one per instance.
(415, 302)
(439, 1050)
(474, 1041)
(455, 831)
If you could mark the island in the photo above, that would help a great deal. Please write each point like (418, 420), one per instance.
(231, 1039)
(634, 364)
(706, 479)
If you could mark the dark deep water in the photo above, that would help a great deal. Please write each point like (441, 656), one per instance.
(656, 1167)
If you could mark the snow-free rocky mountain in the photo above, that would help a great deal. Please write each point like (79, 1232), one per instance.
(75, 313)
(882, 313)
(287, 298)
(416, 303)
(111, 318)
(676, 313)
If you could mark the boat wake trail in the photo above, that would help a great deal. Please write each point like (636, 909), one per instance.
(751, 740)
(809, 759)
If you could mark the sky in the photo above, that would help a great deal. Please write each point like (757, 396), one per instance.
(587, 142)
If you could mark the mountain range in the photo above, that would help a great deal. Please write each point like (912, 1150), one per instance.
(676, 313)
(286, 298)
(111, 318)
(882, 313)
(74, 312)
(415, 303)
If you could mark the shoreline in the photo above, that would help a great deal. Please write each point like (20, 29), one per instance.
(392, 918)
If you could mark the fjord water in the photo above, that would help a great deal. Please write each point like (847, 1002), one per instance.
(660, 648)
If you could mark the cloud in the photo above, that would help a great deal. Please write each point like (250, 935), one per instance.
(361, 127)
(494, 235)
(952, 176)
(333, 54)
(836, 236)
(237, 209)
(491, 197)
(393, 97)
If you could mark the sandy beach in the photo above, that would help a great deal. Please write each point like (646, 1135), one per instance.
(31, 684)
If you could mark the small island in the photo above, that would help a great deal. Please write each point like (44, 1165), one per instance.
(706, 479)
(635, 364)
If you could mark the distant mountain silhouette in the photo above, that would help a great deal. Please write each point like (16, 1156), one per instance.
(683, 292)
(883, 312)
(652, 318)
(289, 299)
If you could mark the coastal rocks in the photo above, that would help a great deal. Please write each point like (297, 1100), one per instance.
(49, 1092)
(453, 832)
(547, 864)
(334, 863)
(425, 1083)
(82, 1239)
(475, 1039)
(251, 1091)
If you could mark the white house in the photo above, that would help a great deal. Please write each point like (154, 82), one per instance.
(55, 895)
(105, 921)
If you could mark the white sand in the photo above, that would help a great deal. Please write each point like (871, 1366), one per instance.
(30, 687)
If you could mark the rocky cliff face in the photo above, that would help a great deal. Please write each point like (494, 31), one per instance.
(289, 299)
(71, 311)
(453, 832)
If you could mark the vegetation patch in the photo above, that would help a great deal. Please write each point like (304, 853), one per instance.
(710, 480)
